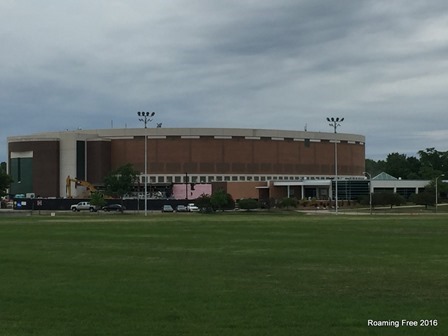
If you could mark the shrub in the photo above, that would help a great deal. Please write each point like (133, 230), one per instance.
(387, 198)
(248, 204)
(203, 202)
(423, 198)
(288, 202)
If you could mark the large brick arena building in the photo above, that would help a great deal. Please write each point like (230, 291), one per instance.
(242, 161)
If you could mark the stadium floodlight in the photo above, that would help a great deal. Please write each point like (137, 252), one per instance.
(146, 118)
(335, 123)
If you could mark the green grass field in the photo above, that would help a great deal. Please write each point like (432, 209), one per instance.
(231, 274)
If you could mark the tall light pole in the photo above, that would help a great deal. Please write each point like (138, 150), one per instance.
(335, 123)
(145, 118)
(370, 190)
(437, 194)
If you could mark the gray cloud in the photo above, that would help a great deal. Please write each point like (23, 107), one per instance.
(256, 64)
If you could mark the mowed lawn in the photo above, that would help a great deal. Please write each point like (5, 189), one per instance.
(225, 274)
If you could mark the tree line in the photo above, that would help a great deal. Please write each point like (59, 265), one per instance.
(429, 164)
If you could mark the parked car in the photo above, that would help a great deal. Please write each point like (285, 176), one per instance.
(181, 208)
(167, 208)
(114, 207)
(193, 208)
(83, 206)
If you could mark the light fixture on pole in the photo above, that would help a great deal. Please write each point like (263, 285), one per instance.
(335, 123)
(370, 190)
(437, 193)
(145, 118)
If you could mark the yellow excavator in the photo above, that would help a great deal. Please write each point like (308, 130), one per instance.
(68, 185)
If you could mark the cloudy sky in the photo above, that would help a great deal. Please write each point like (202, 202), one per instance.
(287, 64)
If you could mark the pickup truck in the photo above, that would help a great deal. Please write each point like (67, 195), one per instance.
(83, 206)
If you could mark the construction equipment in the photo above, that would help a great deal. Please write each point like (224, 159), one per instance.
(68, 186)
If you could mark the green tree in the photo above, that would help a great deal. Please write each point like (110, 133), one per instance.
(121, 181)
(425, 198)
(387, 198)
(203, 202)
(97, 199)
(397, 165)
(5, 179)
(414, 168)
(230, 202)
(220, 200)
(430, 188)
(433, 163)
(375, 167)
(429, 164)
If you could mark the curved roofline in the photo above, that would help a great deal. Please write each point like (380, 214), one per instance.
(194, 132)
